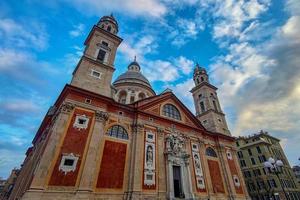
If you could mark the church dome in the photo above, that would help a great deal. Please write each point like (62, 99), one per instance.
(109, 23)
(133, 75)
(132, 85)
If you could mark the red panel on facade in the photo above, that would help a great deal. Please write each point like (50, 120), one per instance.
(216, 177)
(233, 170)
(74, 142)
(111, 173)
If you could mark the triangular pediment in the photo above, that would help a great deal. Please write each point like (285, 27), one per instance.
(154, 105)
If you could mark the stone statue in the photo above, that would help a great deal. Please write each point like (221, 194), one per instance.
(149, 156)
(197, 161)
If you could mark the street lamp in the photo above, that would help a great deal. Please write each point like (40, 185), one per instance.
(275, 167)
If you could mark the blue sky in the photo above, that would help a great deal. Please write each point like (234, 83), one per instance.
(250, 48)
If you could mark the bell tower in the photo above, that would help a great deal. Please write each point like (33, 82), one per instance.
(95, 68)
(208, 109)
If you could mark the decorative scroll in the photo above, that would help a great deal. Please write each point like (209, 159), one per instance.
(149, 163)
(197, 166)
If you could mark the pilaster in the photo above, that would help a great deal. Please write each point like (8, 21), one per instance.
(56, 133)
(136, 165)
(89, 169)
(161, 172)
(225, 170)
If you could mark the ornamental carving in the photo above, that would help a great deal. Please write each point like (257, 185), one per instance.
(101, 115)
(175, 143)
(138, 127)
(160, 132)
(67, 107)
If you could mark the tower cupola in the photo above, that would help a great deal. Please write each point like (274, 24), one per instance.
(109, 23)
(134, 66)
(200, 75)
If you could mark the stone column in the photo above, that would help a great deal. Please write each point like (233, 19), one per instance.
(170, 178)
(92, 157)
(128, 96)
(54, 141)
(189, 188)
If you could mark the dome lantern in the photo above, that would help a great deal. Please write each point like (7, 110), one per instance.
(109, 23)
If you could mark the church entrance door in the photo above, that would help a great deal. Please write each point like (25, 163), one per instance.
(177, 182)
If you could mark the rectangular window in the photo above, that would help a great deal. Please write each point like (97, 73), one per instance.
(69, 162)
(250, 152)
(243, 163)
(202, 107)
(101, 55)
(96, 74)
(253, 161)
(258, 149)
(240, 154)
(215, 105)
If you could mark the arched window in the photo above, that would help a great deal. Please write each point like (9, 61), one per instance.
(171, 111)
(211, 152)
(117, 132)
(122, 96)
(202, 79)
(142, 95)
(109, 28)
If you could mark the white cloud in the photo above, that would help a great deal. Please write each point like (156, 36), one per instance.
(185, 30)
(70, 60)
(230, 16)
(77, 31)
(151, 8)
(160, 70)
(18, 34)
(21, 65)
(181, 90)
(293, 7)
(141, 47)
(183, 64)
(19, 105)
(291, 29)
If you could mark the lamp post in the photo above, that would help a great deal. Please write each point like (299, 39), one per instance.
(275, 167)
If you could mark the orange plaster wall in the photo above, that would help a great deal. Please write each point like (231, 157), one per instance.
(233, 170)
(216, 177)
(74, 142)
(111, 173)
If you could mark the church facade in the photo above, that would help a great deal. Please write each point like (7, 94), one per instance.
(121, 140)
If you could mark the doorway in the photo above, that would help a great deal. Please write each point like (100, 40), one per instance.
(177, 182)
